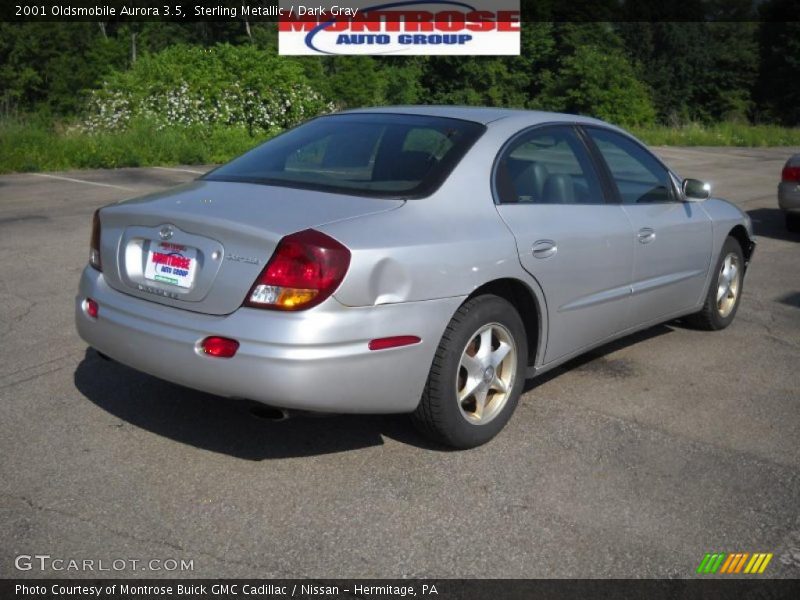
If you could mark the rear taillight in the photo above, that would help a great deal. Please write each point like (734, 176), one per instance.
(94, 242)
(791, 173)
(305, 269)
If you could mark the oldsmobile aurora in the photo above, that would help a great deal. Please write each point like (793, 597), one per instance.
(422, 260)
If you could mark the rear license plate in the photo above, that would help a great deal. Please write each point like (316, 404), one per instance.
(172, 264)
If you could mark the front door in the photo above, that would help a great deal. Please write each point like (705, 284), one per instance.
(673, 238)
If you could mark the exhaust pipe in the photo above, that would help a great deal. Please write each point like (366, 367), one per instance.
(270, 413)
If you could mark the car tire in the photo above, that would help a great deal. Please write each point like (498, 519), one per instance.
(477, 374)
(724, 292)
(793, 222)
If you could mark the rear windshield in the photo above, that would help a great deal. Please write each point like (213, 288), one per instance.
(381, 155)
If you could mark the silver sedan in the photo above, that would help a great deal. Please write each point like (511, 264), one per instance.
(423, 260)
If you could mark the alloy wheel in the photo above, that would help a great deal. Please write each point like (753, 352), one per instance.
(728, 284)
(486, 373)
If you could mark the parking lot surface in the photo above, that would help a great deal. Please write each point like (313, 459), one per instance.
(633, 461)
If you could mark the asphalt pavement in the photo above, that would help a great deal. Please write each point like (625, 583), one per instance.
(633, 461)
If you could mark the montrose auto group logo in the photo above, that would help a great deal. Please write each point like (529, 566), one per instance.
(401, 28)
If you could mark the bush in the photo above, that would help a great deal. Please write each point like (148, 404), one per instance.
(601, 83)
(190, 86)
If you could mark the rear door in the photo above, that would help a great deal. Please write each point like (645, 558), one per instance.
(673, 238)
(569, 238)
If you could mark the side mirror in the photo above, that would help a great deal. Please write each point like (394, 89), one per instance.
(695, 190)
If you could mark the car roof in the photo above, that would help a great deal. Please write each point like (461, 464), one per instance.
(479, 114)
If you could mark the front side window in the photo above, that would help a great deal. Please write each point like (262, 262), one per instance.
(547, 166)
(381, 155)
(638, 175)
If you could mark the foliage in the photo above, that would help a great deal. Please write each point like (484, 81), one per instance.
(354, 81)
(719, 134)
(37, 73)
(190, 85)
(35, 146)
(82, 94)
(714, 76)
(473, 80)
(601, 83)
(777, 89)
(716, 67)
(32, 146)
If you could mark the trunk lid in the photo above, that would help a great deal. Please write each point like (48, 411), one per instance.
(214, 238)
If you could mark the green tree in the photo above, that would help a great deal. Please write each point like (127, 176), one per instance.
(472, 80)
(599, 82)
(511, 81)
(50, 65)
(674, 58)
(536, 61)
(699, 57)
(726, 90)
(404, 79)
(354, 81)
(778, 90)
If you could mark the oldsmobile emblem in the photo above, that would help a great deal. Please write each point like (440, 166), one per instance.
(245, 259)
(156, 291)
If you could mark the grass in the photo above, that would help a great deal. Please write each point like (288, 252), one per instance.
(41, 146)
(720, 134)
(30, 146)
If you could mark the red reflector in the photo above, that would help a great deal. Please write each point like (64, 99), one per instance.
(91, 307)
(791, 173)
(219, 347)
(393, 342)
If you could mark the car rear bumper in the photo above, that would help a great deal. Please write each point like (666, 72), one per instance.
(311, 360)
(789, 196)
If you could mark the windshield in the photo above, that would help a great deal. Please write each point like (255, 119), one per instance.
(370, 154)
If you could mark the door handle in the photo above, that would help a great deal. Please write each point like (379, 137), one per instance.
(646, 235)
(544, 249)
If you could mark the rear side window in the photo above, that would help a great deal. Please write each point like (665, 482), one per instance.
(638, 175)
(381, 155)
(547, 166)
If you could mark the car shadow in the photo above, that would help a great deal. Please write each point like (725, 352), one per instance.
(596, 359)
(238, 428)
(229, 426)
(792, 299)
(771, 222)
